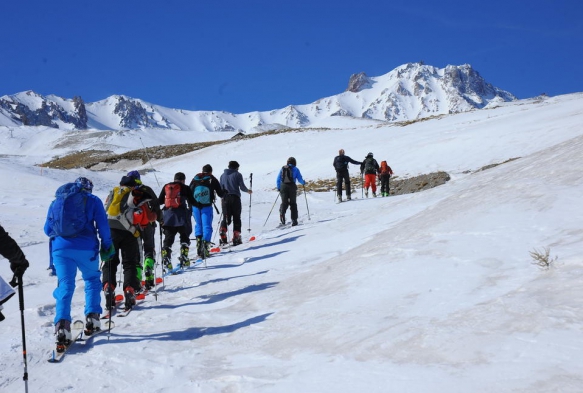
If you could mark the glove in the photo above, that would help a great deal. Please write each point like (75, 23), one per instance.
(19, 267)
(106, 255)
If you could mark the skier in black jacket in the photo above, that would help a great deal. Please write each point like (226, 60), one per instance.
(341, 165)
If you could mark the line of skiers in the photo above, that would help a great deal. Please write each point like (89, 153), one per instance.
(369, 169)
(83, 230)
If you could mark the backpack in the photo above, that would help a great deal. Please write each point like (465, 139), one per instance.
(172, 199)
(202, 189)
(369, 165)
(67, 214)
(144, 214)
(287, 175)
(340, 163)
(120, 207)
(385, 169)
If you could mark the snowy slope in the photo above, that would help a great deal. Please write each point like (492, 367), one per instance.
(426, 292)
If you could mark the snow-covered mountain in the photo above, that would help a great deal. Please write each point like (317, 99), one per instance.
(411, 91)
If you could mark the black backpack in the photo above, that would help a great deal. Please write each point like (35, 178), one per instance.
(369, 165)
(286, 175)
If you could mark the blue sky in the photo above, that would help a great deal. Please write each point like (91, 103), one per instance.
(246, 55)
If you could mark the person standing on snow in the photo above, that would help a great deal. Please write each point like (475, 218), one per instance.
(385, 174)
(286, 185)
(369, 168)
(340, 163)
(79, 250)
(232, 184)
(10, 250)
(204, 186)
(120, 206)
(177, 199)
(147, 231)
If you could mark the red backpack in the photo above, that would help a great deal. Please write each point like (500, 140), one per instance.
(385, 169)
(172, 199)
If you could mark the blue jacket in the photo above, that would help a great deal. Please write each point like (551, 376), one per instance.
(296, 175)
(87, 239)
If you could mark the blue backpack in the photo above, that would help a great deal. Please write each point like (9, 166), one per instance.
(202, 190)
(67, 214)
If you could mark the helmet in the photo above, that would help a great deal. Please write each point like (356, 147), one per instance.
(207, 168)
(134, 174)
(369, 155)
(292, 161)
(85, 183)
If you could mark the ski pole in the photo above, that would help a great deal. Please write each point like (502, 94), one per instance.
(362, 184)
(21, 302)
(250, 187)
(161, 260)
(307, 207)
(218, 226)
(111, 304)
(150, 162)
(271, 209)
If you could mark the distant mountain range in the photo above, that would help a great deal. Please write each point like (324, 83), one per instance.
(411, 91)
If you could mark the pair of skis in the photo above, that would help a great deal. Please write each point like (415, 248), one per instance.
(77, 331)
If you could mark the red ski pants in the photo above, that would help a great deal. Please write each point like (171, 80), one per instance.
(370, 180)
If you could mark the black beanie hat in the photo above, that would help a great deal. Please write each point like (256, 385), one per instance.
(233, 165)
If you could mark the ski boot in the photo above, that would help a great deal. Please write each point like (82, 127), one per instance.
(294, 223)
(374, 194)
(223, 237)
(184, 261)
(166, 258)
(237, 238)
(93, 323)
(139, 271)
(149, 269)
(206, 249)
(282, 219)
(130, 297)
(366, 193)
(109, 292)
(63, 332)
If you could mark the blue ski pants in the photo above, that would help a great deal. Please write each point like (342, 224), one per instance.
(66, 262)
(203, 219)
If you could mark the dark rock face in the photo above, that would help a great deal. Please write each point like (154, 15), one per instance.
(47, 114)
(358, 82)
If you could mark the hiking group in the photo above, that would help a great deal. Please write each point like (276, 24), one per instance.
(83, 231)
(369, 170)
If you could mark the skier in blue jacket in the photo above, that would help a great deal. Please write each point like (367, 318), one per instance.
(286, 185)
(82, 252)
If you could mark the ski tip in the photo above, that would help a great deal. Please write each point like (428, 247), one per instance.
(252, 238)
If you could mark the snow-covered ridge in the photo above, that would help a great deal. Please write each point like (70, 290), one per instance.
(411, 91)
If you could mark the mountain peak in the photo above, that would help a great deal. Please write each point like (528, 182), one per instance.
(410, 91)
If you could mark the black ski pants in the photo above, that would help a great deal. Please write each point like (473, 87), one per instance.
(343, 176)
(147, 236)
(170, 235)
(231, 205)
(384, 183)
(288, 193)
(127, 243)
